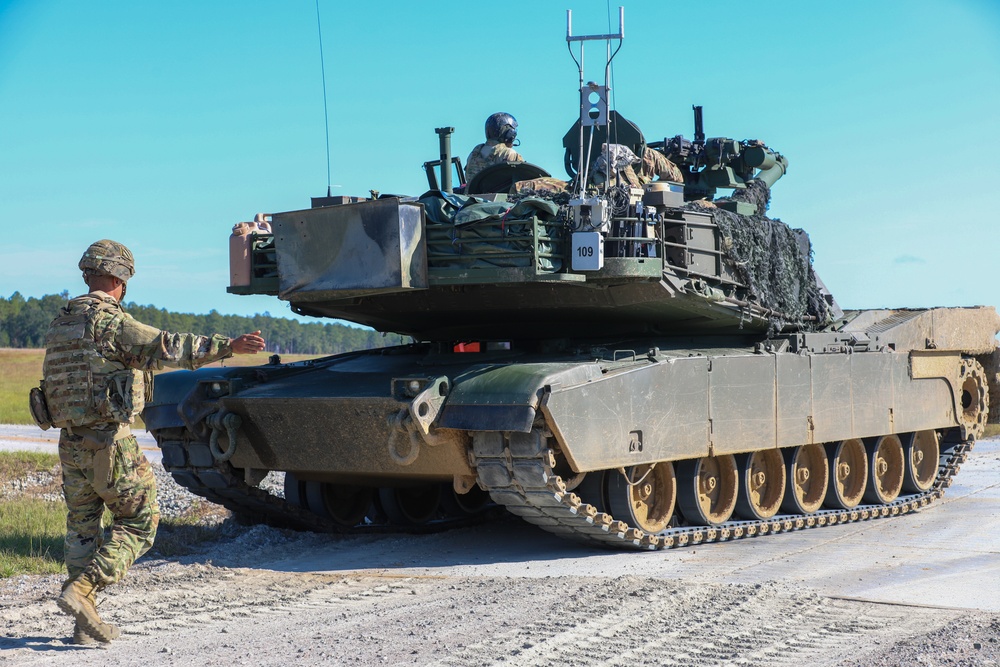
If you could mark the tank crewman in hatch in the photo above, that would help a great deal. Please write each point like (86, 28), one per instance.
(632, 170)
(97, 377)
(501, 131)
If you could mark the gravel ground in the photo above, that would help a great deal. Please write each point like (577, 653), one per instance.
(248, 598)
(176, 501)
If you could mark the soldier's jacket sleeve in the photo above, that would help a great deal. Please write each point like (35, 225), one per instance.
(656, 165)
(506, 154)
(143, 347)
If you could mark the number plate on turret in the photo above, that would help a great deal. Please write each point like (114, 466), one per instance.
(588, 251)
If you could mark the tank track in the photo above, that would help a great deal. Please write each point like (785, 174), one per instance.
(518, 471)
(192, 466)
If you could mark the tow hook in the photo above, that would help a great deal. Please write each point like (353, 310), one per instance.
(404, 443)
(219, 422)
(413, 424)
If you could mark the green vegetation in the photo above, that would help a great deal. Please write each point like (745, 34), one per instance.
(31, 536)
(15, 465)
(22, 369)
(31, 528)
(23, 323)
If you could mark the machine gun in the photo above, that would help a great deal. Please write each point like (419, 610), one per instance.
(719, 162)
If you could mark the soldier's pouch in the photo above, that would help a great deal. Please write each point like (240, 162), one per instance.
(100, 439)
(122, 397)
(147, 385)
(104, 466)
(39, 408)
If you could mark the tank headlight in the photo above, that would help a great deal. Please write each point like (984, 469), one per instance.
(406, 388)
(217, 389)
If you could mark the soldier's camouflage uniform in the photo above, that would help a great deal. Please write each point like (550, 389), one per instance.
(546, 187)
(97, 378)
(652, 165)
(488, 154)
(656, 166)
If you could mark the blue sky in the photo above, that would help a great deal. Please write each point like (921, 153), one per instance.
(162, 124)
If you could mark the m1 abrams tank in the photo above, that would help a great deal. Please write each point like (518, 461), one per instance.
(626, 363)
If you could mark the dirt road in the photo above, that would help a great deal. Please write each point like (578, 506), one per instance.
(923, 589)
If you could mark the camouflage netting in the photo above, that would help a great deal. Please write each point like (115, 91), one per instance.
(773, 260)
(757, 194)
(552, 189)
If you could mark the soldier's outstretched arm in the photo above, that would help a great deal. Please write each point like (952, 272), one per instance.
(144, 347)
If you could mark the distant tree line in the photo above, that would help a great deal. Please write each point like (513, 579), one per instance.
(23, 323)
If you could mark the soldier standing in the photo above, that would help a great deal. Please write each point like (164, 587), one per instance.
(97, 370)
(501, 131)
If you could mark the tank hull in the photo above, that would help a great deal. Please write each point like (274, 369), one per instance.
(418, 415)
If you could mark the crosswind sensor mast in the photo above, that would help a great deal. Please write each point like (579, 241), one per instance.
(593, 97)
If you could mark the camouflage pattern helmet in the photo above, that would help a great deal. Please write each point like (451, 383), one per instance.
(108, 258)
(502, 127)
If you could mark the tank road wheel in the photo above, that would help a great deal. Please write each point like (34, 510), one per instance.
(295, 490)
(807, 471)
(410, 505)
(885, 469)
(343, 503)
(920, 456)
(593, 490)
(848, 474)
(707, 489)
(646, 499)
(762, 484)
(462, 504)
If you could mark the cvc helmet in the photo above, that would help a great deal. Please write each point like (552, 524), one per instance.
(502, 127)
(108, 258)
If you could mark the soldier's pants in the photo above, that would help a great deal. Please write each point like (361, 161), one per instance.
(119, 477)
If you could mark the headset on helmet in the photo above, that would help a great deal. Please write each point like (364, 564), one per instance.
(108, 258)
(502, 127)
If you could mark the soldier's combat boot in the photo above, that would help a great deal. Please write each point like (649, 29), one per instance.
(78, 600)
(80, 635)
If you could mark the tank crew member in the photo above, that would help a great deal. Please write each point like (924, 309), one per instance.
(97, 377)
(501, 131)
(632, 170)
(655, 166)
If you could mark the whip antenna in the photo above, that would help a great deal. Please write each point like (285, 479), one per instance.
(326, 115)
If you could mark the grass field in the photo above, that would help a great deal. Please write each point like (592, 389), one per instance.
(22, 369)
(33, 525)
(32, 528)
